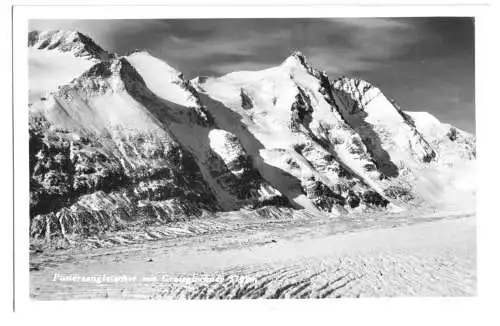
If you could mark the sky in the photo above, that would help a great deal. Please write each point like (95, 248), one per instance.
(424, 64)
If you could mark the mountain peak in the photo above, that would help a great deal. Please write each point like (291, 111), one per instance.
(296, 57)
(298, 54)
(353, 83)
(73, 42)
(116, 75)
(142, 51)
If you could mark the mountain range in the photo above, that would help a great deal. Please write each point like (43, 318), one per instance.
(119, 140)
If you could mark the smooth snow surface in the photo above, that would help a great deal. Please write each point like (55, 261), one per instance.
(162, 79)
(50, 69)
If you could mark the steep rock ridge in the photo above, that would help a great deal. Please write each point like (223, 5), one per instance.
(426, 161)
(102, 157)
(344, 133)
(327, 126)
(233, 169)
(452, 144)
(163, 80)
(170, 85)
(55, 58)
(72, 42)
(381, 125)
(301, 111)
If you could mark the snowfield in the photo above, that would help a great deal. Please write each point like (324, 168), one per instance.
(403, 255)
(49, 69)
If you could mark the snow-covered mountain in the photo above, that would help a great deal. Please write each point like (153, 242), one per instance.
(121, 140)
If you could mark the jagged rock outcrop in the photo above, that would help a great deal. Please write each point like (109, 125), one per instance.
(301, 111)
(323, 196)
(381, 125)
(123, 154)
(452, 145)
(234, 171)
(73, 42)
(246, 100)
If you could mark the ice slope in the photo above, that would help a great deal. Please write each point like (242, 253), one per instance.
(163, 80)
(50, 69)
(57, 57)
(451, 181)
(100, 104)
(453, 145)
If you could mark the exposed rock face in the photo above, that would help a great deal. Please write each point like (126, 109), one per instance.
(234, 171)
(352, 199)
(322, 196)
(128, 141)
(301, 111)
(452, 145)
(383, 127)
(246, 101)
(118, 165)
(76, 43)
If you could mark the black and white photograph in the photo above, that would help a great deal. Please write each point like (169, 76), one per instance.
(251, 158)
(197, 161)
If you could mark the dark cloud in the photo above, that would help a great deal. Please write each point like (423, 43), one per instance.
(442, 37)
(423, 63)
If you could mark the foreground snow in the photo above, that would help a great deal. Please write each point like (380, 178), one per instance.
(314, 259)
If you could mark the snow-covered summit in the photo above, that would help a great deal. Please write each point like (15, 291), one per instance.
(74, 42)
(57, 57)
(380, 121)
(296, 58)
(164, 80)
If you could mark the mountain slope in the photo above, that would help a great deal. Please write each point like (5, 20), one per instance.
(101, 153)
(344, 125)
(292, 121)
(116, 141)
(73, 42)
(382, 125)
(57, 57)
